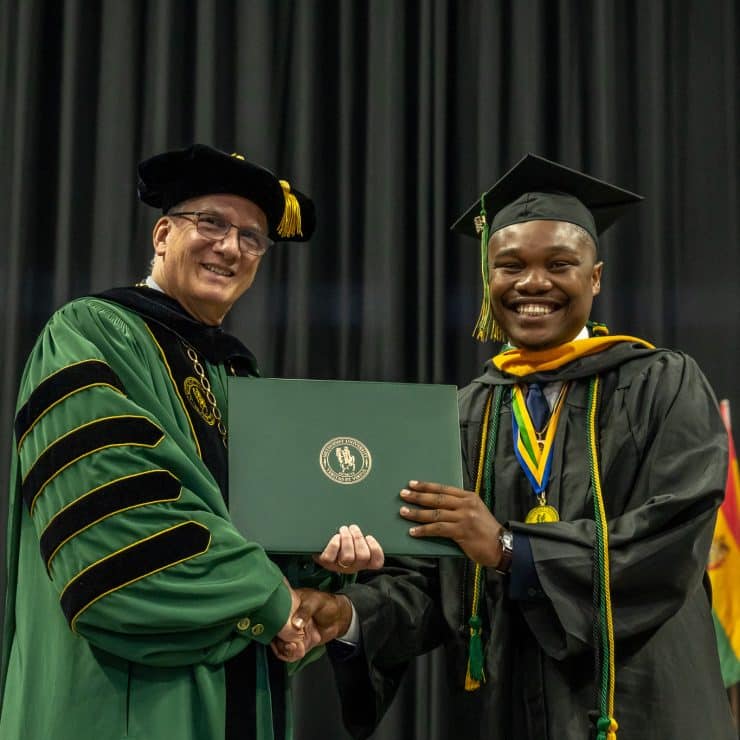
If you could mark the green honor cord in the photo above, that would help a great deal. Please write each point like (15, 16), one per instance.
(484, 488)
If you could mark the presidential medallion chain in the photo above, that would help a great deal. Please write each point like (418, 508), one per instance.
(210, 397)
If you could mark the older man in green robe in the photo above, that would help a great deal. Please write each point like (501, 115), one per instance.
(135, 609)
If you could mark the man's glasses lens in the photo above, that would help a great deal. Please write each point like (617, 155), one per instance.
(212, 226)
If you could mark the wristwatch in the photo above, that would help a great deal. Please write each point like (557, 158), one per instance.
(506, 539)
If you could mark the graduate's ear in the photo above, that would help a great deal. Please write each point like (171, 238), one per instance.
(160, 235)
(596, 278)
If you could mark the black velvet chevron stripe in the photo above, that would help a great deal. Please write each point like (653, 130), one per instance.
(137, 561)
(97, 435)
(58, 386)
(119, 495)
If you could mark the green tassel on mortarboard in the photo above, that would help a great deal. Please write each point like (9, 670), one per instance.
(486, 326)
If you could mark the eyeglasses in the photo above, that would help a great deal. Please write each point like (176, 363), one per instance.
(212, 226)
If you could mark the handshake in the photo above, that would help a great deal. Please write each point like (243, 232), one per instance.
(316, 617)
(435, 510)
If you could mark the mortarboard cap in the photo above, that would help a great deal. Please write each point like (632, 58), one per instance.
(172, 177)
(536, 189)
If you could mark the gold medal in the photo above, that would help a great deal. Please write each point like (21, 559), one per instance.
(541, 514)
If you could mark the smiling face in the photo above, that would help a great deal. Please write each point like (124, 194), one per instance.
(205, 276)
(543, 276)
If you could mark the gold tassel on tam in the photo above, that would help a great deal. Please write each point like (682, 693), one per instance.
(290, 224)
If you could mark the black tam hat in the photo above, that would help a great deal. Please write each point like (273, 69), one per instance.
(172, 177)
(537, 189)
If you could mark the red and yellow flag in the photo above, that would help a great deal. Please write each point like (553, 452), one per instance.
(724, 567)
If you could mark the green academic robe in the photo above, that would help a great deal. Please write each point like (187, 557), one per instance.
(129, 589)
(662, 451)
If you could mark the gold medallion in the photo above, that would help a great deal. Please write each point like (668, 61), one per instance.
(196, 395)
(541, 514)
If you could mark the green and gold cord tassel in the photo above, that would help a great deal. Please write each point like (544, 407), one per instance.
(290, 224)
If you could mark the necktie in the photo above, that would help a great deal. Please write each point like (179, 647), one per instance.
(539, 409)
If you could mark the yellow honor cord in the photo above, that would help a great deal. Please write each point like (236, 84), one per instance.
(612, 732)
(599, 498)
(290, 224)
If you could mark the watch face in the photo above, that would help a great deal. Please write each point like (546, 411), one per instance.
(506, 538)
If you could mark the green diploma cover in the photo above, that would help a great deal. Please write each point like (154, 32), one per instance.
(306, 456)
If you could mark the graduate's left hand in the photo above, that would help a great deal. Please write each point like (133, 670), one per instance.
(456, 514)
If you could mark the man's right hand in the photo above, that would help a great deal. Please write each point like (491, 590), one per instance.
(292, 631)
(323, 617)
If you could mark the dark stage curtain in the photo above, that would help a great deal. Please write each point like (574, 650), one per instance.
(394, 115)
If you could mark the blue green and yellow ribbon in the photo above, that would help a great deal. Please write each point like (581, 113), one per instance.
(536, 461)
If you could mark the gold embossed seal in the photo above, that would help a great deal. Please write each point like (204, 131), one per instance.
(345, 460)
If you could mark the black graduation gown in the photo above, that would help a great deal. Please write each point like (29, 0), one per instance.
(663, 457)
